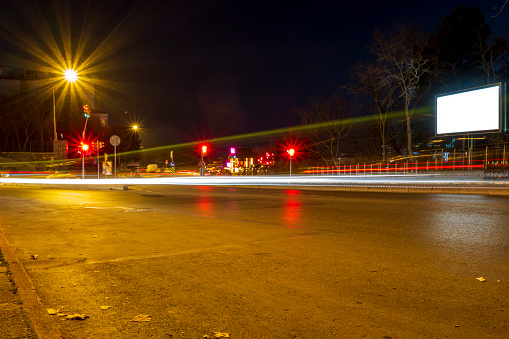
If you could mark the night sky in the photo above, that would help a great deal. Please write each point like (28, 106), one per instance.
(203, 69)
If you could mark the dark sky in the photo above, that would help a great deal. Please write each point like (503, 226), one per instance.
(196, 69)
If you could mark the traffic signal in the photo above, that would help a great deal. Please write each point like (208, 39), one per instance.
(86, 111)
(291, 152)
(204, 150)
(101, 144)
(84, 147)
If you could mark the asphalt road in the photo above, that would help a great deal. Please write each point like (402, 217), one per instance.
(259, 263)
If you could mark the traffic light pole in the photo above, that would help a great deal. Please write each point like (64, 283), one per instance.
(98, 161)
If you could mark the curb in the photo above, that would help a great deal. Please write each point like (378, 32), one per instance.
(41, 322)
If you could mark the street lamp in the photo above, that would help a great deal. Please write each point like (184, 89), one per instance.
(202, 162)
(84, 149)
(291, 152)
(70, 75)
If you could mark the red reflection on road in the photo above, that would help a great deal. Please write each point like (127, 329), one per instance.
(292, 212)
(292, 192)
(204, 205)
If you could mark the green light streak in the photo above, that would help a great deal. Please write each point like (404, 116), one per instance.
(279, 132)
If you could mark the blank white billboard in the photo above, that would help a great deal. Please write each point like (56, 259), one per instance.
(471, 111)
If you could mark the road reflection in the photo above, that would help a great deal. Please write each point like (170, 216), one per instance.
(467, 225)
(292, 208)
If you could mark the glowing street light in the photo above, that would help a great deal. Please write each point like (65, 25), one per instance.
(291, 152)
(84, 149)
(70, 75)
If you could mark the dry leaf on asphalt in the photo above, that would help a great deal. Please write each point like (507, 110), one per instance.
(221, 335)
(52, 311)
(142, 317)
(481, 279)
(105, 307)
(77, 316)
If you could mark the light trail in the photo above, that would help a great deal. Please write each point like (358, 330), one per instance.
(414, 179)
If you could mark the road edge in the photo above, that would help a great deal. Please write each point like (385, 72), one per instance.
(41, 322)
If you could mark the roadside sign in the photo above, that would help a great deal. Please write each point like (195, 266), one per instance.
(202, 164)
(172, 164)
(115, 140)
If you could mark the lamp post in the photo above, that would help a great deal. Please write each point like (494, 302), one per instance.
(84, 149)
(55, 136)
(291, 152)
(70, 75)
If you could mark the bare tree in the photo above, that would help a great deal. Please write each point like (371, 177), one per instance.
(491, 56)
(402, 54)
(328, 117)
(371, 79)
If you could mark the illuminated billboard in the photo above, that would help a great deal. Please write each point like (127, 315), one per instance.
(470, 111)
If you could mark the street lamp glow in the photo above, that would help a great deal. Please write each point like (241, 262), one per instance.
(70, 75)
(135, 127)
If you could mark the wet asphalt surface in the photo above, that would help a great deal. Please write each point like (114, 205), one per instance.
(258, 263)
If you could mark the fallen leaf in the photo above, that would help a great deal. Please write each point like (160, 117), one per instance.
(77, 316)
(221, 335)
(142, 317)
(105, 307)
(62, 314)
(34, 256)
(52, 311)
(481, 279)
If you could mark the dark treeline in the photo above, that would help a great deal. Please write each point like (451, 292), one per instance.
(407, 69)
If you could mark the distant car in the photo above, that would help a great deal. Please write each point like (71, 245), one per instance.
(61, 175)
(152, 168)
(225, 171)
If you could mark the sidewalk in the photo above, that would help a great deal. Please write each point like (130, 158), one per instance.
(13, 320)
(22, 314)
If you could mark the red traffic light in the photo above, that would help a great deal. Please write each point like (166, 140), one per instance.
(84, 146)
(291, 152)
(204, 149)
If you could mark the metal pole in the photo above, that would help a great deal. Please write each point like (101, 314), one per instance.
(82, 164)
(290, 166)
(115, 157)
(442, 160)
(98, 159)
(55, 137)
(454, 159)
